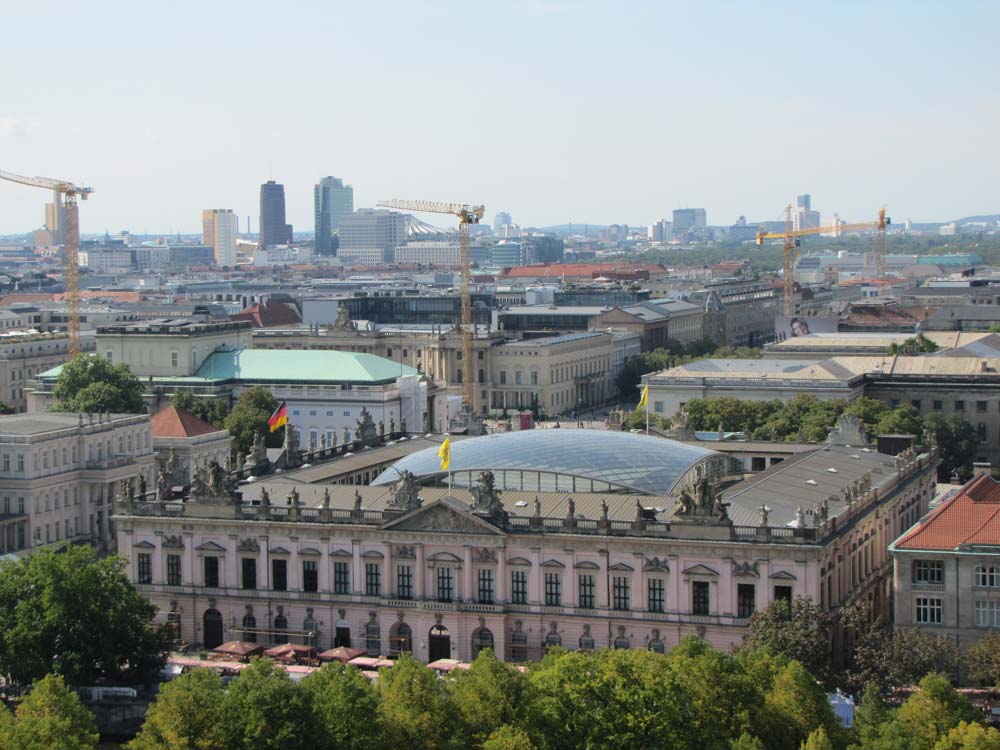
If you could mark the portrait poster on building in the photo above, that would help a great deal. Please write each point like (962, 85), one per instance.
(802, 325)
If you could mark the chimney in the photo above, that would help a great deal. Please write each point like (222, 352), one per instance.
(980, 468)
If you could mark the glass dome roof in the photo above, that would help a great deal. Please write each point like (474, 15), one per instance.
(625, 461)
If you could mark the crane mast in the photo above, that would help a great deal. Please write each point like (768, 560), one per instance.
(467, 216)
(70, 193)
(791, 238)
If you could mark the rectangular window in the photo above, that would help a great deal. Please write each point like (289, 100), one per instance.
(938, 404)
(980, 406)
(486, 586)
(746, 599)
(699, 598)
(783, 594)
(518, 587)
(373, 579)
(144, 564)
(445, 584)
(404, 581)
(621, 596)
(341, 578)
(658, 407)
(173, 570)
(279, 575)
(916, 403)
(586, 591)
(211, 566)
(987, 614)
(534, 377)
(654, 595)
(959, 405)
(310, 575)
(249, 570)
(928, 571)
(928, 611)
(553, 590)
(173, 359)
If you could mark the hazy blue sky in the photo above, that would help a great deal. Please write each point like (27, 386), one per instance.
(555, 111)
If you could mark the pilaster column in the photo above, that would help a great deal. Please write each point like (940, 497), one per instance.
(356, 570)
(419, 573)
(501, 586)
(535, 590)
(467, 575)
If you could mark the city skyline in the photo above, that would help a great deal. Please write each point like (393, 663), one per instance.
(586, 124)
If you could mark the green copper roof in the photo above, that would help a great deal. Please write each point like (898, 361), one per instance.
(313, 366)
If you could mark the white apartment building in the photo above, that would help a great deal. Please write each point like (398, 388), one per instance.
(59, 474)
(368, 229)
(24, 355)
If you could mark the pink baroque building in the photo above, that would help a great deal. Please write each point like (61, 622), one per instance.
(584, 539)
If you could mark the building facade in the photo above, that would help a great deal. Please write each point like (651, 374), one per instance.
(59, 474)
(23, 356)
(370, 235)
(219, 229)
(947, 566)
(404, 567)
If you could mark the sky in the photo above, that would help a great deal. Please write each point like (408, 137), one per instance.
(555, 111)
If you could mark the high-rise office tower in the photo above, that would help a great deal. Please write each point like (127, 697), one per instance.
(273, 229)
(218, 229)
(500, 220)
(332, 200)
(371, 235)
(804, 217)
(686, 219)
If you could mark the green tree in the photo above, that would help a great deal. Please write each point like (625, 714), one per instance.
(929, 714)
(984, 659)
(818, 739)
(413, 706)
(264, 710)
(799, 631)
(78, 616)
(488, 695)
(796, 706)
(345, 706)
(187, 715)
(869, 718)
(211, 410)
(249, 415)
(92, 384)
(51, 717)
(746, 741)
(868, 410)
(612, 700)
(968, 736)
(903, 420)
(508, 738)
(957, 444)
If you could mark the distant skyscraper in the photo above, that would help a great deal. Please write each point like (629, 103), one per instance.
(804, 217)
(219, 227)
(273, 229)
(502, 219)
(687, 219)
(661, 231)
(332, 200)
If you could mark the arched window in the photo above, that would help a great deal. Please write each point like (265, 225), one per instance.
(280, 623)
(249, 628)
(481, 638)
(373, 637)
(400, 639)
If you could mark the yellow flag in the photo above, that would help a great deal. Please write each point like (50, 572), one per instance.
(644, 401)
(444, 453)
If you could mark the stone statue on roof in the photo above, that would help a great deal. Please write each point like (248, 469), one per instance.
(259, 449)
(366, 431)
(343, 319)
(405, 492)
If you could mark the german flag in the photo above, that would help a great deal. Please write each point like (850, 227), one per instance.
(279, 418)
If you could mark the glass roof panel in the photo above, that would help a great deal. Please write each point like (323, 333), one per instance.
(638, 463)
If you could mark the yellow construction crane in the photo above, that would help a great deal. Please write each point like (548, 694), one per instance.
(467, 215)
(70, 192)
(791, 238)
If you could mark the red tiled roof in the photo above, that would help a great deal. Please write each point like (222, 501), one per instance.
(269, 314)
(970, 517)
(172, 422)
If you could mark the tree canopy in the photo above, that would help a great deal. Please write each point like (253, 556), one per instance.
(211, 410)
(799, 630)
(77, 616)
(50, 717)
(249, 415)
(89, 383)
